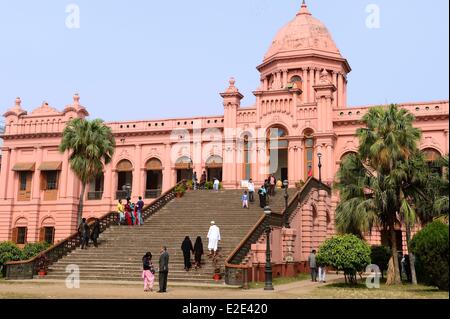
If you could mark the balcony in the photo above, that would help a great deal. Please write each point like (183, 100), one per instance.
(95, 195)
(152, 193)
(123, 194)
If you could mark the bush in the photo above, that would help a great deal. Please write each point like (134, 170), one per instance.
(32, 250)
(209, 185)
(9, 252)
(380, 256)
(430, 248)
(180, 189)
(345, 253)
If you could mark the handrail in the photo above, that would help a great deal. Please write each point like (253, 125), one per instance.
(26, 269)
(276, 218)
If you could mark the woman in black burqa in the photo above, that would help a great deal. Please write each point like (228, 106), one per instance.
(198, 252)
(187, 248)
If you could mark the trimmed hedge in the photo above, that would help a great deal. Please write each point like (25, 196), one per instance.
(11, 252)
(430, 248)
(31, 250)
(346, 253)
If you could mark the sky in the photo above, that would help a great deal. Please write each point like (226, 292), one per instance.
(136, 59)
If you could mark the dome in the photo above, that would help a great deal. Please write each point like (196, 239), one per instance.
(303, 35)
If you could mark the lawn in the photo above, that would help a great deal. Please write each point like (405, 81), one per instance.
(360, 291)
(280, 281)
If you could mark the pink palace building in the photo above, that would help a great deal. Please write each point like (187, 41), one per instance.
(300, 111)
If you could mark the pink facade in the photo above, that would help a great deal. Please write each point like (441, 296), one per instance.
(300, 111)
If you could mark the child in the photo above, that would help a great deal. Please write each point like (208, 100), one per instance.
(245, 200)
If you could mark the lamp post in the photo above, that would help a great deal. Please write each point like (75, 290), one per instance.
(268, 285)
(286, 198)
(320, 166)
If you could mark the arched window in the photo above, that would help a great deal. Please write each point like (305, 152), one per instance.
(47, 231)
(309, 154)
(295, 82)
(124, 179)
(247, 158)
(433, 157)
(19, 232)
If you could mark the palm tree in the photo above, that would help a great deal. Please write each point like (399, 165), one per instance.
(92, 146)
(373, 183)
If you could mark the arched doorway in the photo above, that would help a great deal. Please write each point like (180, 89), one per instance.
(154, 179)
(214, 168)
(124, 179)
(183, 166)
(277, 146)
(433, 157)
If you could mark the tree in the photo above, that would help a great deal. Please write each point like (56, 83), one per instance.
(373, 184)
(431, 247)
(92, 146)
(380, 255)
(346, 253)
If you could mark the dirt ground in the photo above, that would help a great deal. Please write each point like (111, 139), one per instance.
(304, 289)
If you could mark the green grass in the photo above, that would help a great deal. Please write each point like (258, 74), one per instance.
(280, 281)
(360, 291)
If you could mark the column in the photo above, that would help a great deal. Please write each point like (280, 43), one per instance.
(107, 191)
(266, 83)
(345, 93)
(137, 172)
(330, 161)
(305, 94)
(340, 91)
(36, 192)
(167, 173)
(291, 163)
(11, 177)
(310, 86)
(335, 93)
(285, 78)
(4, 172)
(65, 168)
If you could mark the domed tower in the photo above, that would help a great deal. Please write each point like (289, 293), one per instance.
(301, 57)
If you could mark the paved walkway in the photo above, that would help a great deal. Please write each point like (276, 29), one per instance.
(134, 290)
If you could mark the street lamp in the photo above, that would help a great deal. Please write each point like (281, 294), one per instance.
(286, 198)
(320, 166)
(268, 285)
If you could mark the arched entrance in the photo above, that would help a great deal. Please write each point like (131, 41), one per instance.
(433, 157)
(154, 179)
(183, 166)
(214, 168)
(124, 179)
(277, 146)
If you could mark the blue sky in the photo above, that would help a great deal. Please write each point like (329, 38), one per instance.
(141, 59)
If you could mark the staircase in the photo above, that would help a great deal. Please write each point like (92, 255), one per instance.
(121, 248)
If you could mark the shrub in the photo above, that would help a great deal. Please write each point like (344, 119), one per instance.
(9, 252)
(430, 248)
(209, 185)
(345, 253)
(32, 250)
(380, 256)
(180, 189)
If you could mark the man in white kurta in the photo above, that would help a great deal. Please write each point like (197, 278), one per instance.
(213, 237)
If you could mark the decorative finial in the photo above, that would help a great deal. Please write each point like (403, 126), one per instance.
(18, 102)
(304, 9)
(76, 99)
(232, 82)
